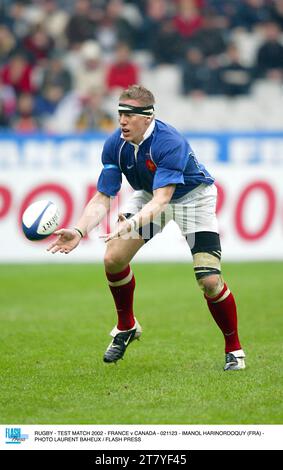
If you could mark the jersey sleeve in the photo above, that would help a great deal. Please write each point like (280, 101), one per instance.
(110, 178)
(171, 163)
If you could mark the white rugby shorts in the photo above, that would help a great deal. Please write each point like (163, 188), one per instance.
(194, 212)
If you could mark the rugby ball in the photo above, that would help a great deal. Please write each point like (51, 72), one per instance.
(40, 220)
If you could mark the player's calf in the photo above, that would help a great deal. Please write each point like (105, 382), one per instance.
(222, 306)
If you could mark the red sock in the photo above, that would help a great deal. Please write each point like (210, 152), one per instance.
(122, 286)
(224, 311)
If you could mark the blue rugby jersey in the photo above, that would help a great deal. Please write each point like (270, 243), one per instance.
(164, 157)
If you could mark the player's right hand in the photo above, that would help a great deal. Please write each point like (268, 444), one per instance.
(66, 241)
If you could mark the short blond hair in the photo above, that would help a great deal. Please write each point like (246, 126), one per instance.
(138, 93)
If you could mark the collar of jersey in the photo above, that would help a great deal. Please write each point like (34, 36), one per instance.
(147, 133)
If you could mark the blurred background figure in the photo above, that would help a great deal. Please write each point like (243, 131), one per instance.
(24, 119)
(8, 99)
(17, 73)
(38, 44)
(56, 73)
(4, 119)
(155, 12)
(82, 23)
(249, 14)
(93, 116)
(122, 72)
(48, 101)
(15, 17)
(168, 47)
(212, 37)
(7, 42)
(91, 71)
(120, 23)
(55, 20)
(277, 13)
(199, 79)
(188, 19)
(269, 63)
(234, 78)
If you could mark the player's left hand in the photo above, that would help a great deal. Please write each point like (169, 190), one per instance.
(122, 228)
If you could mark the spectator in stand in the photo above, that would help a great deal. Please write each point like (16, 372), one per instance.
(55, 21)
(16, 19)
(122, 73)
(7, 43)
(116, 26)
(168, 47)
(277, 13)
(212, 37)
(224, 8)
(18, 74)
(48, 101)
(82, 23)
(7, 99)
(4, 119)
(251, 13)
(235, 78)
(156, 11)
(269, 63)
(91, 72)
(198, 78)
(55, 73)
(140, 4)
(188, 19)
(38, 44)
(93, 115)
(24, 119)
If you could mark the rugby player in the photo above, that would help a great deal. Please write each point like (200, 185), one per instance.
(169, 183)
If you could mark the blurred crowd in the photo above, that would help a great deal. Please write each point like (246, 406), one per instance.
(61, 59)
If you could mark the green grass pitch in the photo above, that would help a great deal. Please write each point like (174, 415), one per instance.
(55, 321)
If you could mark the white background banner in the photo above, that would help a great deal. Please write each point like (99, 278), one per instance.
(250, 203)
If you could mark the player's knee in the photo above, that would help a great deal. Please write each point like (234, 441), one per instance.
(207, 270)
(211, 285)
(113, 261)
